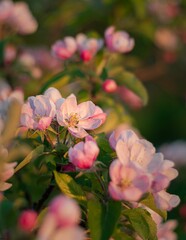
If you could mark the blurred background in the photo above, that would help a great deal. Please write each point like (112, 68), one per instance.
(158, 59)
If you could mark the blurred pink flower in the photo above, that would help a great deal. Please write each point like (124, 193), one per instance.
(79, 118)
(61, 220)
(166, 230)
(38, 113)
(6, 9)
(7, 171)
(10, 53)
(88, 47)
(66, 211)
(27, 220)
(84, 154)
(21, 19)
(127, 182)
(64, 49)
(109, 86)
(165, 200)
(165, 11)
(52, 94)
(118, 41)
(7, 95)
(130, 97)
(166, 39)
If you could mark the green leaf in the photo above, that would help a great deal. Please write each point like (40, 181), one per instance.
(69, 187)
(64, 77)
(142, 223)
(95, 214)
(111, 216)
(102, 219)
(133, 83)
(103, 143)
(118, 235)
(104, 74)
(150, 203)
(32, 155)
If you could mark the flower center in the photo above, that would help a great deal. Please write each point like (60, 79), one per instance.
(124, 183)
(73, 120)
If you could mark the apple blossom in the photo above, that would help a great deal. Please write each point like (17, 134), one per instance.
(63, 214)
(88, 47)
(64, 49)
(79, 118)
(83, 154)
(109, 86)
(21, 19)
(127, 182)
(118, 41)
(66, 211)
(6, 8)
(27, 220)
(53, 94)
(166, 201)
(38, 113)
(166, 39)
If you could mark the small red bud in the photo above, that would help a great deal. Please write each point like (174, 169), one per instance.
(109, 86)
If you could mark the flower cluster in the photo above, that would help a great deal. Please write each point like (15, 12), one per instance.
(39, 112)
(138, 170)
(17, 16)
(116, 41)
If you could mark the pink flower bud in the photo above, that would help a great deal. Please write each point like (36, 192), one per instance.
(84, 154)
(109, 86)
(27, 220)
(65, 210)
(86, 56)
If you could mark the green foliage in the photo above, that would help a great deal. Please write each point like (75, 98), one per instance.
(141, 221)
(70, 188)
(102, 218)
(31, 156)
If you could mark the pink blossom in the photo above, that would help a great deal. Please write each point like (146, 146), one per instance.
(9, 53)
(38, 113)
(88, 47)
(118, 41)
(66, 211)
(6, 8)
(165, 230)
(79, 118)
(21, 19)
(166, 39)
(84, 154)
(64, 49)
(127, 182)
(130, 148)
(63, 214)
(27, 220)
(53, 94)
(109, 86)
(129, 97)
(7, 95)
(7, 171)
(166, 201)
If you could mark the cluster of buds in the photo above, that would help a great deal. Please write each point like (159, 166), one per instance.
(116, 41)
